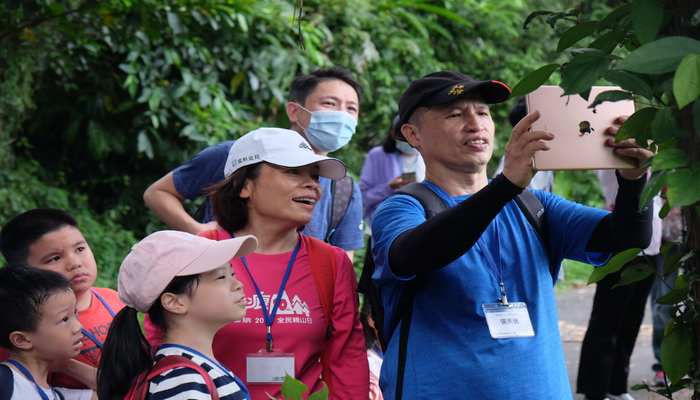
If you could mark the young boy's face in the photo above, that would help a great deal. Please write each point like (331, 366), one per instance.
(65, 251)
(59, 334)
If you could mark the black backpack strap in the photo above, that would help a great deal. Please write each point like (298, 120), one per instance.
(535, 214)
(341, 196)
(431, 202)
(7, 381)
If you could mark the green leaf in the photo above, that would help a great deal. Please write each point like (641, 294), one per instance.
(143, 145)
(656, 182)
(534, 80)
(583, 71)
(675, 296)
(630, 82)
(534, 15)
(611, 19)
(670, 159)
(676, 351)
(292, 388)
(647, 16)
(686, 82)
(683, 187)
(610, 95)
(321, 394)
(441, 11)
(605, 43)
(614, 265)
(659, 56)
(638, 125)
(574, 34)
(634, 273)
(663, 127)
(175, 23)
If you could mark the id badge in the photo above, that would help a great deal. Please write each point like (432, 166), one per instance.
(509, 321)
(269, 367)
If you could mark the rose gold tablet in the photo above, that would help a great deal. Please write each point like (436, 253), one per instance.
(580, 131)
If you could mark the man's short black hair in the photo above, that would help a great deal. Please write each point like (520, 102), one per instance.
(19, 233)
(303, 85)
(23, 293)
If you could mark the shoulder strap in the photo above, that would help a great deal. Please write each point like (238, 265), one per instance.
(431, 202)
(7, 382)
(323, 269)
(341, 195)
(140, 391)
(322, 263)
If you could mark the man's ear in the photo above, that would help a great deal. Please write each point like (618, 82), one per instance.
(293, 112)
(174, 303)
(410, 132)
(21, 340)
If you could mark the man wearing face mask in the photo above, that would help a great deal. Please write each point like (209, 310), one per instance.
(324, 107)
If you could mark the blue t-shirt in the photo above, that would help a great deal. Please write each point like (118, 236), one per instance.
(207, 168)
(451, 353)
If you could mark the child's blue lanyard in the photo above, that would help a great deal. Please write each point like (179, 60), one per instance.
(29, 376)
(270, 318)
(494, 264)
(85, 331)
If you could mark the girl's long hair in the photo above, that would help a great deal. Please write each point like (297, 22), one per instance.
(126, 352)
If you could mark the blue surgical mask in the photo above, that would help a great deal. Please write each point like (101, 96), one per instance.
(405, 148)
(329, 130)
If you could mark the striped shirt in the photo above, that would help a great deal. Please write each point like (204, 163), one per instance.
(186, 383)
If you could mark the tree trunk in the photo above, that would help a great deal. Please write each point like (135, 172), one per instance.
(681, 12)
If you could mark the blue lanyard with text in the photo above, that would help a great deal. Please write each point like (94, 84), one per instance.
(85, 331)
(29, 376)
(270, 317)
(495, 266)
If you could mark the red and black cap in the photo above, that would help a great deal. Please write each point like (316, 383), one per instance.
(443, 87)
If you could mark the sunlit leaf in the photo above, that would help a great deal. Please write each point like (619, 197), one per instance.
(670, 159)
(683, 187)
(686, 82)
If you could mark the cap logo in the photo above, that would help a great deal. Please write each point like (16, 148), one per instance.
(456, 90)
(303, 145)
(245, 159)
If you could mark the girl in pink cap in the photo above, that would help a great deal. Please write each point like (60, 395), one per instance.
(185, 285)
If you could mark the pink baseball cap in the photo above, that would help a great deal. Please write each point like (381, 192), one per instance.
(161, 256)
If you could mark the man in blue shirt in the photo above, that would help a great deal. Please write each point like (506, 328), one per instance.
(484, 325)
(324, 107)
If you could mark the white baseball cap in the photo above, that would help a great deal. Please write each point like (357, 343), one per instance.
(161, 256)
(282, 147)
